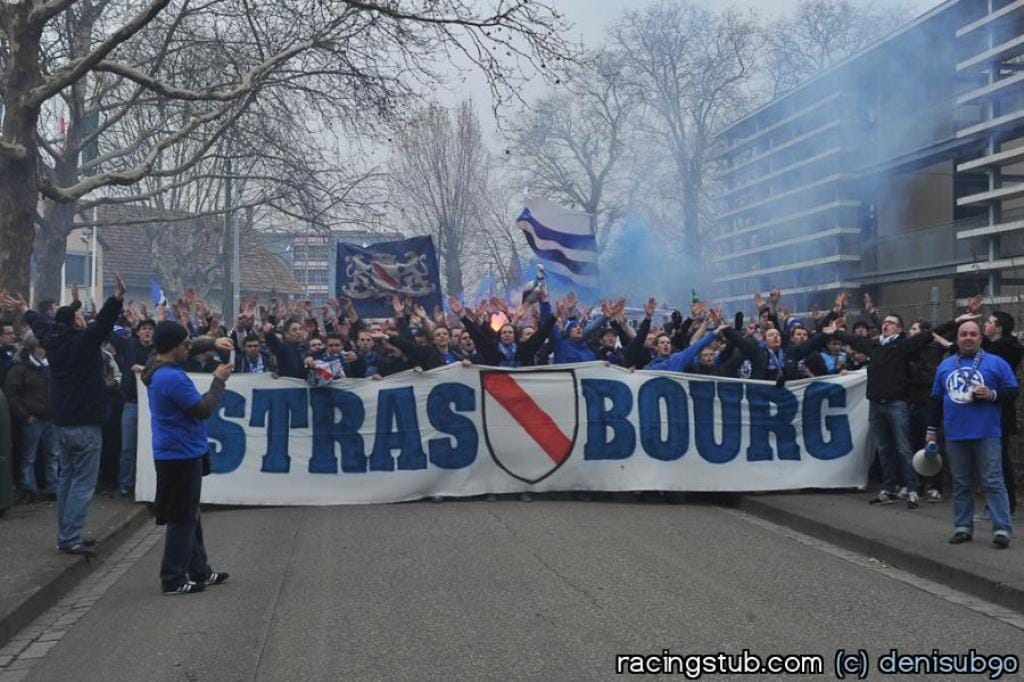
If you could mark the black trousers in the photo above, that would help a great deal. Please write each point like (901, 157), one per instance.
(179, 485)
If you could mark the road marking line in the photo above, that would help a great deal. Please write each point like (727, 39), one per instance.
(944, 592)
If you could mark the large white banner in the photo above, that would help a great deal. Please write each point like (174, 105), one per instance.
(459, 431)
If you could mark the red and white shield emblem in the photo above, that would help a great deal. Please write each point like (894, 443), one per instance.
(529, 426)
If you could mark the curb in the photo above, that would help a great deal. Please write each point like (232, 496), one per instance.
(1008, 596)
(48, 594)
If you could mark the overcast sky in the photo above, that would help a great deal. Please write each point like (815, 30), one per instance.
(590, 18)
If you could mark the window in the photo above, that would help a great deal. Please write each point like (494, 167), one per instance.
(78, 269)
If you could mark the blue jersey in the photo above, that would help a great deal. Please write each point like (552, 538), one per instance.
(963, 417)
(176, 433)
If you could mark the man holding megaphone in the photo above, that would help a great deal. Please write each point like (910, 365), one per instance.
(969, 391)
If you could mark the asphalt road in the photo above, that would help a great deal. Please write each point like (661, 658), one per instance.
(507, 590)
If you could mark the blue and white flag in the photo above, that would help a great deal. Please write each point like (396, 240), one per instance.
(372, 275)
(563, 239)
(157, 292)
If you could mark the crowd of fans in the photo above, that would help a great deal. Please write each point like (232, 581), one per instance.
(294, 339)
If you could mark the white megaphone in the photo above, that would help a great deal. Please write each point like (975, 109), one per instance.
(531, 294)
(927, 460)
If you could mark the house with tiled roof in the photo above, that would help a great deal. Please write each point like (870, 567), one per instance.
(178, 250)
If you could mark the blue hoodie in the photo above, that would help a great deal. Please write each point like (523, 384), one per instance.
(681, 361)
(567, 350)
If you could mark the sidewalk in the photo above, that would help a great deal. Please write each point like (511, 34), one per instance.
(913, 540)
(33, 574)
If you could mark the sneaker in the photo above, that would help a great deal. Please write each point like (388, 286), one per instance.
(79, 548)
(1001, 540)
(122, 494)
(884, 497)
(491, 497)
(903, 493)
(983, 516)
(912, 500)
(959, 537)
(217, 577)
(525, 497)
(934, 496)
(437, 499)
(186, 588)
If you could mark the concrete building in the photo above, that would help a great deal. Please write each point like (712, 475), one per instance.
(311, 255)
(899, 171)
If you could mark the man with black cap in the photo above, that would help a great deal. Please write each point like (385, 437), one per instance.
(180, 447)
(80, 406)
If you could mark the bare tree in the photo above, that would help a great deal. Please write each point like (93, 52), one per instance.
(821, 33)
(498, 242)
(692, 68)
(571, 143)
(199, 67)
(440, 170)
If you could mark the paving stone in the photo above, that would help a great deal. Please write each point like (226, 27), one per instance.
(14, 647)
(37, 650)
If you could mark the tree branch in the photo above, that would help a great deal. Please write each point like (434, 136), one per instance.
(77, 68)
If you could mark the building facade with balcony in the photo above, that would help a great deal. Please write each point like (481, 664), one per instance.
(894, 172)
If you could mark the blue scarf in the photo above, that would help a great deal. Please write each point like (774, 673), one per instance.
(508, 352)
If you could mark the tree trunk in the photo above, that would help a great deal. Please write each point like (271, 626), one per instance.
(51, 250)
(19, 180)
(227, 258)
(453, 272)
(691, 219)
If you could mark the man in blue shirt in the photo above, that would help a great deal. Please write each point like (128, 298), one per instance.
(180, 447)
(968, 392)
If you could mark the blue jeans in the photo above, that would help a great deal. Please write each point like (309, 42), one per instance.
(985, 457)
(129, 443)
(890, 428)
(34, 435)
(79, 467)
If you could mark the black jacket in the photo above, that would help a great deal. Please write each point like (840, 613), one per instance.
(7, 361)
(28, 391)
(759, 358)
(889, 365)
(922, 373)
(78, 393)
(1009, 349)
(130, 352)
(290, 356)
(526, 351)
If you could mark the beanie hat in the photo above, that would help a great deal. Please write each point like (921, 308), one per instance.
(168, 335)
(569, 327)
(65, 315)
